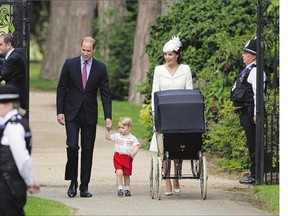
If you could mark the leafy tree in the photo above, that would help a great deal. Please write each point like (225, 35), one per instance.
(40, 11)
(120, 45)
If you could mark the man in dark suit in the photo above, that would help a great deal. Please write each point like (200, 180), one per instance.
(80, 79)
(13, 70)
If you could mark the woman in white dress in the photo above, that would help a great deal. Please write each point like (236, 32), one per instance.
(171, 75)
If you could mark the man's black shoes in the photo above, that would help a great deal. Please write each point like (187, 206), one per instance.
(247, 180)
(85, 193)
(72, 190)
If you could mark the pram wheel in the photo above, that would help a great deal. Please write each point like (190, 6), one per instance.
(203, 176)
(159, 178)
(152, 176)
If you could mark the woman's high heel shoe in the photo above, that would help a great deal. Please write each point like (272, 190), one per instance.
(168, 193)
(177, 191)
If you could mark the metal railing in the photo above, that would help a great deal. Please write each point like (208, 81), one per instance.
(267, 127)
(14, 20)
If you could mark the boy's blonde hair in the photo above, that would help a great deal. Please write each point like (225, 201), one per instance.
(126, 121)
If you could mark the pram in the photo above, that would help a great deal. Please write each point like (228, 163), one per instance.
(179, 125)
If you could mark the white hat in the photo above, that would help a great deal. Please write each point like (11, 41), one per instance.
(172, 45)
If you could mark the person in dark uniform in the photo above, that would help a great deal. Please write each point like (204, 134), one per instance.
(81, 78)
(1, 61)
(13, 70)
(243, 96)
(16, 175)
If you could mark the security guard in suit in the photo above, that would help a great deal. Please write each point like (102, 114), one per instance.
(243, 95)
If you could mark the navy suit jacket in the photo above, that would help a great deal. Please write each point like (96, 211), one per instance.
(71, 96)
(13, 72)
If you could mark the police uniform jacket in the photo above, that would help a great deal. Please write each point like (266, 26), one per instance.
(15, 147)
(243, 93)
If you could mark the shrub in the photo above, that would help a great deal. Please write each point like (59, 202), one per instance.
(226, 138)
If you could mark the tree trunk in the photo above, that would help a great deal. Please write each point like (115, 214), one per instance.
(108, 13)
(69, 23)
(147, 14)
(166, 6)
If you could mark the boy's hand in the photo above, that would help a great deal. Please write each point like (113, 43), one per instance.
(132, 155)
(108, 124)
(61, 119)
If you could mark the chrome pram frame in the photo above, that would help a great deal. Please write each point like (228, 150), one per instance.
(178, 145)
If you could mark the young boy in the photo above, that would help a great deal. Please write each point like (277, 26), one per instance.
(15, 162)
(126, 147)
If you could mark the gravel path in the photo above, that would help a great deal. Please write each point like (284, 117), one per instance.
(49, 158)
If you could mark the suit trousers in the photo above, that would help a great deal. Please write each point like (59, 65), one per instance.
(246, 119)
(88, 135)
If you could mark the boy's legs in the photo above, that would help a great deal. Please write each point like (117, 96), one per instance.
(123, 167)
(119, 173)
(119, 177)
(127, 185)
(127, 172)
(119, 180)
(127, 181)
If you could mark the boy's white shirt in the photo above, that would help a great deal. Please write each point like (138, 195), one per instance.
(124, 148)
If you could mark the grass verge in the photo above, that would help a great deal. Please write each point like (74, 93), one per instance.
(38, 206)
(35, 82)
(268, 196)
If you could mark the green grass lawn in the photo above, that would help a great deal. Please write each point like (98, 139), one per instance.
(38, 207)
(268, 195)
(35, 82)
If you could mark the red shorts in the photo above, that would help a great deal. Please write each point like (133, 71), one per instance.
(123, 162)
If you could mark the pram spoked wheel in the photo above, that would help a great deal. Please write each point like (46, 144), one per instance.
(152, 177)
(159, 178)
(203, 176)
(155, 177)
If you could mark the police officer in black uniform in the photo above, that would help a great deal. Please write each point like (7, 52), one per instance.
(15, 162)
(243, 95)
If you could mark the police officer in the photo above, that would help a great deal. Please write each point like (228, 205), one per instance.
(15, 162)
(243, 95)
